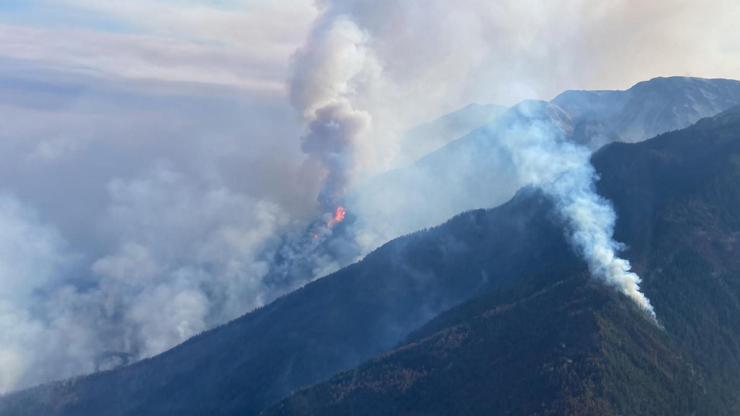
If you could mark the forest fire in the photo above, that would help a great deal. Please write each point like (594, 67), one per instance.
(320, 230)
(339, 214)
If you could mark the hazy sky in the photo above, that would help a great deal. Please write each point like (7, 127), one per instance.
(235, 43)
(247, 43)
(150, 151)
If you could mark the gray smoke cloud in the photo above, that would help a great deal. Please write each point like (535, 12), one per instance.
(326, 71)
(332, 140)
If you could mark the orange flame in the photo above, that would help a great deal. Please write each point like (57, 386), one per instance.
(339, 214)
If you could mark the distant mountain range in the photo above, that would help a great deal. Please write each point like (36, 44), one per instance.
(490, 313)
(647, 109)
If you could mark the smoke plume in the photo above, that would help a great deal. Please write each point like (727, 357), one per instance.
(543, 157)
(326, 72)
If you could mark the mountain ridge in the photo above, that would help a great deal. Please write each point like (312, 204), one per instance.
(517, 352)
(341, 321)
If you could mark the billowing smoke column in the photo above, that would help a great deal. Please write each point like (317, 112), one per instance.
(543, 157)
(326, 72)
(331, 141)
(591, 219)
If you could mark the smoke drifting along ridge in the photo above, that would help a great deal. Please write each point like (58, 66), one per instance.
(543, 157)
(592, 219)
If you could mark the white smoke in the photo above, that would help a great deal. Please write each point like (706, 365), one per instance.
(543, 157)
(591, 219)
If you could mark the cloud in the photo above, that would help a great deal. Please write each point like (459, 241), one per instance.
(142, 57)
